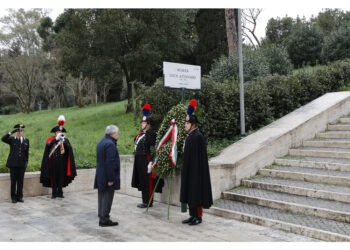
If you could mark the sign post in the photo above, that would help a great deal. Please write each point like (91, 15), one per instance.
(240, 66)
(181, 76)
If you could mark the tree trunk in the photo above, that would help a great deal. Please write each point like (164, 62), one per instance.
(130, 106)
(231, 30)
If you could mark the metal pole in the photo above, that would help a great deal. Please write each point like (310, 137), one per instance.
(240, 66)
(182, 95)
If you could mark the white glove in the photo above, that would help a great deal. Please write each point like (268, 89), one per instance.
(149, 167)
(60, 137)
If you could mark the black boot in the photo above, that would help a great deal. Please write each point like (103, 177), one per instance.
(60, 193)
(20, 199)
(14, 200)
(189, 220)
(195, 221)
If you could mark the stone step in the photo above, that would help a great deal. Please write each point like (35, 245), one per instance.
(308, 174)
(333, 210)
(328, 143)
(321, 152)
(339, 127)
(297, 187)
(315, 162)
(307, 225)
(345, 120)
(334, 134)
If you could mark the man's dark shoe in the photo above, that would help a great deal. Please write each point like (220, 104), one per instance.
(108, 224)
(195, 221)
(143, 205)
(60, 196)
(20, 200)
(189, 220)
(14, 200)
(53, 196)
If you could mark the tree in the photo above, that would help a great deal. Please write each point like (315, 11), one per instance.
(23, 60)
(249, 23)
(22, 76)
(231, 29)
(326, 21)
(304, 44)
(132, 41)
(212, 38)
(337, 45)
(277, 30)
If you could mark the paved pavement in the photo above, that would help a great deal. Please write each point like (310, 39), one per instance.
(74, 218)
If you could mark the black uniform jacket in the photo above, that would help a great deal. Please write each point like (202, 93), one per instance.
(19, 151)
(144, 141)
(195, 176)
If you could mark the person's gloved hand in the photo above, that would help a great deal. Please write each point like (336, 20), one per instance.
(60, 137)
(149, 167)
(13, 131)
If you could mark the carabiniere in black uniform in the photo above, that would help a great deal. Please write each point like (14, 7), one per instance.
(17, 161)
(142, 177)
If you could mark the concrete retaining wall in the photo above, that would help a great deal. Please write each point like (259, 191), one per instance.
(240, 160)
(85, 179)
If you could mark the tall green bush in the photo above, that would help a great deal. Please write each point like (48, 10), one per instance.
(226, 68)
(278, 59)
(266, 98)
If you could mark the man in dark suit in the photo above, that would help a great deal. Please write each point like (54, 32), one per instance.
(17, 160)
(107, 178)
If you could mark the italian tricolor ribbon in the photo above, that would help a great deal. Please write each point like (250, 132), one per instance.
(172, 132)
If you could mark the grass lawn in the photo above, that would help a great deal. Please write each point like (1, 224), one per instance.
(308, 69)
(85, 128)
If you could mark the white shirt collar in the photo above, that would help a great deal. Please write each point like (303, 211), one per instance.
(20, 138)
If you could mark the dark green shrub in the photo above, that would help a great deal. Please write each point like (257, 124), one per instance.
(218, 108)
(226, 68)
(278, 59)
(281, 95)
(265, 98)
(258, 113)
(10, 109)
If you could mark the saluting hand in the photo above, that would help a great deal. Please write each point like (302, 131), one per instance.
(12, 131)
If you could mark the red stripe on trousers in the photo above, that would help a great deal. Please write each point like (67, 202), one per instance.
(199, 211)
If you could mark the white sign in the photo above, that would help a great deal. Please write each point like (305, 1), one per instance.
(178, 75)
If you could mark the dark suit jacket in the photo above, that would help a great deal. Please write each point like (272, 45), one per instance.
(108, 164)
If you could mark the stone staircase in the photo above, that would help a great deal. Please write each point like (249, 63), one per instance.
(306, 192)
